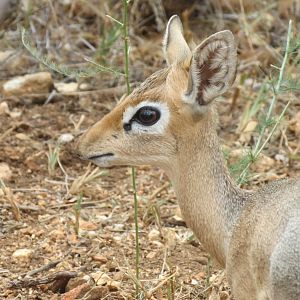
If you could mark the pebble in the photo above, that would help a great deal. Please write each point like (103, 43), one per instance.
(100, 278)
(4, 55)
(100, 258)
(151, 255)
(4, 109)
(23, 254)
(32, 83)
(69, 87)
(77, 292)
(5, 172)
(22, 137)
(65, 138)
(153, 235)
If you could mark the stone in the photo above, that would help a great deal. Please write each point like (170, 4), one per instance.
(23, 254)
(28, 84)
(22, 137)
(100, 258)
(4, 109)
(86, 225)
(4, 55)
(263, 164)
(113, 285)
(100, 278)
(65, 138)
(69, 87)
(5, 172)
(153, 235)
(151, 255)
(77, 292)
(98, 292)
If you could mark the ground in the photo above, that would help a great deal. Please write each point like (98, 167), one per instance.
(86, 250)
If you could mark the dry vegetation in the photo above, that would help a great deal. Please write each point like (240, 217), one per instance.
(66, 228)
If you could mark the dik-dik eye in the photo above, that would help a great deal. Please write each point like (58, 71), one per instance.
(147, 115)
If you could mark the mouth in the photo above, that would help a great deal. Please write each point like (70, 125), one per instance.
(99, 156)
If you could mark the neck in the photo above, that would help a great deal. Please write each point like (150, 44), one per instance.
(209, 200)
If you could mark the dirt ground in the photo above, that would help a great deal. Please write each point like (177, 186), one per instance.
(45, 253)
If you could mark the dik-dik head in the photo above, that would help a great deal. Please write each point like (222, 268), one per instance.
(149, 124)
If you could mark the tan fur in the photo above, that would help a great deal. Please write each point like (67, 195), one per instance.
(255, 236)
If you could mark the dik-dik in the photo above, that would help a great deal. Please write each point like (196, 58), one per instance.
(170, 121)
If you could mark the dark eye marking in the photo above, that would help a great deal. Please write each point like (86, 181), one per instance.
(147, 115)
(127, 126)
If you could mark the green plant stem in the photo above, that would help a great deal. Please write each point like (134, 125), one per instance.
(126, 45)
(259, 146)
(133, 172)
(277, 87)
(84, 73)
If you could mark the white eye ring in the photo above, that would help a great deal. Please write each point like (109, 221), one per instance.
(138, 126)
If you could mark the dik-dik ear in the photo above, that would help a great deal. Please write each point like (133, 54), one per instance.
(175, 47)
(213, 68)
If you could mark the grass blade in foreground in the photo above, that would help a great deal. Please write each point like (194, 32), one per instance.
(260, 144)
(133, 173)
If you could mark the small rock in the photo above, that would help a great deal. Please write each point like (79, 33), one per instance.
(63, 87)
(113, 285)
(91, 233)
(32, 83)
(118, 227)
(264, 163)
(15, 113)
(5, 172)
(22, 137)
(100, 278)
(57, 234)
(118, 276)
(100, 258)
(157, 244)
(154, 235)
(66, 2)
(212, 278)
(77, 292)
(177, 219)
(75, 282)
(4, 109)
(102, 219)
(98, 292)
(194, 282)
(170, 237)
(4, 55)
(248, 131)
(86, 225)
(65, 138)
(23, 254)
(202, 260)
(282, 157)
(200, 276)
(151, 255)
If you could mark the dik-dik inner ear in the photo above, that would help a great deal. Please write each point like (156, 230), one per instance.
(175, 47)
(213, 68)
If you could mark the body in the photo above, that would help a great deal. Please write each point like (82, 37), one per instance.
(170, 121)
